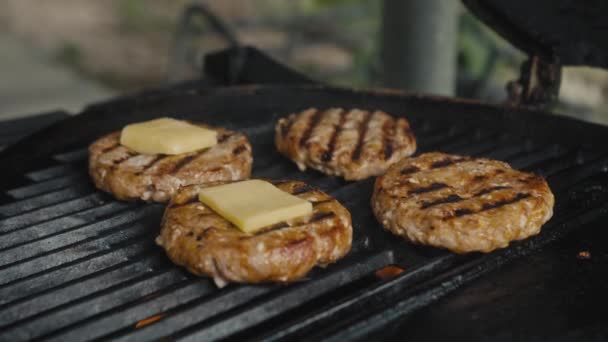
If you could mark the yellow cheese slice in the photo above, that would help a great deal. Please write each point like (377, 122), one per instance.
(166, 136)
(254, 204)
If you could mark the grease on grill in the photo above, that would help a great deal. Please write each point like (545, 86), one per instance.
(584, 255)
(147, 321)
(389, 272)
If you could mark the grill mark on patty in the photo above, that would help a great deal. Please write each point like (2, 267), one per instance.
(110, 148)
(328, 155)
(272, 228)
(223, 137)
(239, 150)
(362, 133)
(327, 200)
(153, 162)
(489, 190)
(286, 127)
(517, 198)
(301, 189)
(410, 170)
(281, 225)
(462, 212)
(191, 200)
(129, 154)
(455, 198)
(320, 216)
(202, 234)
(279, 182)
(429, 188)
(312, 123)
(450, 199)
(183, 162)
(388, 131)
(447, 162)
(490, 206)
(296, 242)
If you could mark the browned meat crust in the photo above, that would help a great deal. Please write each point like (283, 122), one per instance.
(197, 238)
(355, 144)
(460, 203)
(129, 175)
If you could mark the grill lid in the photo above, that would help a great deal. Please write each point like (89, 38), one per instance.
(570, 30)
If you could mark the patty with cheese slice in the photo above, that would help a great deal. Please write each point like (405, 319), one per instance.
(207, 244)
(130, 175)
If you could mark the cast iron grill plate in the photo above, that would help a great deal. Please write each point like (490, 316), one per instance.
(77, 265)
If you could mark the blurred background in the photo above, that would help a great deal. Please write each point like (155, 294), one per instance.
(67, 53)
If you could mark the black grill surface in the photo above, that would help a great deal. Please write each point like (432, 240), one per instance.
(77, 265)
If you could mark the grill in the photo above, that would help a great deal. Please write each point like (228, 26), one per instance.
(77, 265)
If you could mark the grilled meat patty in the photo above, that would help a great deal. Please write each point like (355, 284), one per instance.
(201, 240)
(355, 144)
(461, 203)
(130, 175)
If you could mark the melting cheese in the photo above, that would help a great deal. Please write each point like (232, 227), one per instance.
(254, 204)
(166, 136)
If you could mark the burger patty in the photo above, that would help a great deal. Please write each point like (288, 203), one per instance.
(196, 237)
(461, 203)
(130, 175)
(355, 144)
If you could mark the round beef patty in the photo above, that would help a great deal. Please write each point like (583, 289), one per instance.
(461, 203)
(355, 144)
(129, 175)
(201, 240)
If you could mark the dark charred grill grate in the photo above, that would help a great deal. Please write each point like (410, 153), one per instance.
(77, 265)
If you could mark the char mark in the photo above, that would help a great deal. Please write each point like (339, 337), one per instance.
(286, 127)
(447, 162)
(424, 189)
(329, 153)
(110, 148)
(312, 123)
(519, 197)
(321, 216)
(296, 242)
(322, 201)
(410, 170)
(223, 137)
(153, 162)
(191, 200)
(201, 236)
(489, 190)
(489, 206)
(388, 131)
(274, 227)
(129, 155)
(183, 162)
(362, 133)
(279, 182)
(462, 212)
(449, 199)
(302, 189)
(239, 150)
